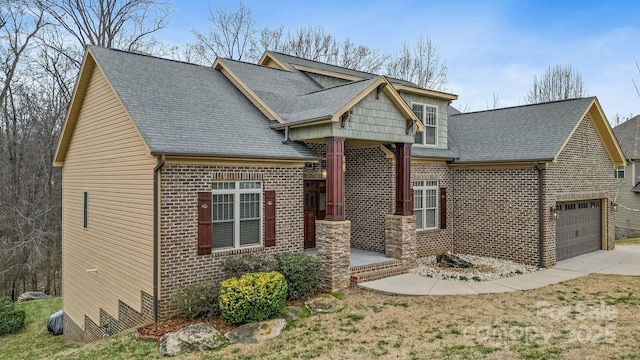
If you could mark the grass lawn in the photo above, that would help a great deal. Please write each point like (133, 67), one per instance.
(596, 316)
(635, 241)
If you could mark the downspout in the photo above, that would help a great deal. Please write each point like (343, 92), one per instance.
(156, 234)
(536, 165)
(286, 135)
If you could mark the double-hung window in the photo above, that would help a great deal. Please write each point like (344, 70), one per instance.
(236, 214)
(429, 116)
(425, 204)
(619, 173)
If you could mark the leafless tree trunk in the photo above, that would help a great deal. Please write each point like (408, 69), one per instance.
(634, 82)
(557, 83)
(121, 24)
(230, 35)
(422, 65)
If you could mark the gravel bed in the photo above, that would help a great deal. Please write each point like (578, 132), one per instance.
(484, 268)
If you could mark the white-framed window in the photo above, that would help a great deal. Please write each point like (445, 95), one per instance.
(428, 114)
(236, 214)
(619, 173)
(425, 204)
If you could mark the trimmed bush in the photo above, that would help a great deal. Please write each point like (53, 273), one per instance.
(11, 320)
(196, 300)
(249, 263)
(302, 273)
(252, 297)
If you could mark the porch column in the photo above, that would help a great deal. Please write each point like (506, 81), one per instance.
(333, 234)
(404, 206)
(335, 179)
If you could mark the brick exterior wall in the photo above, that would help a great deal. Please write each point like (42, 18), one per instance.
(180, 263)
(127, 318)
(583, 171)
(496, 213)
(496, 210)
(437, 241)
(369, 196)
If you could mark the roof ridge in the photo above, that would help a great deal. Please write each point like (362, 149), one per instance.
(340, 85)
(524, 105)
(341, 67)
(147, 55)
(254, 64)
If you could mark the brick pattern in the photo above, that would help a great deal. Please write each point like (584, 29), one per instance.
(180, 264)
(400, 238)
(496, 213)
(583, 171)
(333, 249)
(127, 318)
(496, 210)
(369, 195)
(437, 241)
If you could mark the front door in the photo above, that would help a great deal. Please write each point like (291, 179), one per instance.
(314, 209)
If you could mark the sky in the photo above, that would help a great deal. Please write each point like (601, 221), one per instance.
(491, 48)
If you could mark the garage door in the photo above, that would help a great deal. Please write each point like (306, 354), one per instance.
(578, 228)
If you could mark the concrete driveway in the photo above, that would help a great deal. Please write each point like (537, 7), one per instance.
(624, 260)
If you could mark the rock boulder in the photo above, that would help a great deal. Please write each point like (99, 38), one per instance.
(256, 332)
(196, 337)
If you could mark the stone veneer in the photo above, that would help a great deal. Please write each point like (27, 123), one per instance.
(127, 318)
(400, 238)
(333, 249)
(180, 263)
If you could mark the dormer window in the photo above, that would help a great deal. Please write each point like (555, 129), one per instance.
(428, 114)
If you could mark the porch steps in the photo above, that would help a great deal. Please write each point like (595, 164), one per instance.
(376, 271)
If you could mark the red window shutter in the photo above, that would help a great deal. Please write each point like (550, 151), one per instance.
(443, 208)
(204, 223)
(270, 218)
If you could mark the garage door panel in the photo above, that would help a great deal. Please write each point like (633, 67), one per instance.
(578, 228)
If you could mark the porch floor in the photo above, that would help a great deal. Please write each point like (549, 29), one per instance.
(360, 257)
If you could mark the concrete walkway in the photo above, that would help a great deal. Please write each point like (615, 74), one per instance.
(624, 260)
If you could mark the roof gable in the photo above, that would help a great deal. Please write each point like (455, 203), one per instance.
(184, 109)
(526, 133)
(628, 135)
(289, 62)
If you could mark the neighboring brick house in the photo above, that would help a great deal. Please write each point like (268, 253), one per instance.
(628, 180)
(171, 168)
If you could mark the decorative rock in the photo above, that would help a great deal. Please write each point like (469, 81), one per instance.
(292, 313)
(322, 304)
(256, 332)
(196, 337)
(449, 260)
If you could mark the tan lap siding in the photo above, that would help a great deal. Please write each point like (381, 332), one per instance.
(107, 158)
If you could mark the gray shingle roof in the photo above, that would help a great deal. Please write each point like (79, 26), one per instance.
(530, 132)
(289, 59)
(187, 109)
(293, 95)
(628, 135)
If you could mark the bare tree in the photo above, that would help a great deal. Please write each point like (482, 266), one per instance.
(420, 65)
(230, 35)
(634, 82)
(497, 102)
(557, 83)
(121, 24)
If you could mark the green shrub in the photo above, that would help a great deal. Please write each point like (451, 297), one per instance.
(11, 320)
(249, 263)
(252, 297)
(196, 300)
(302, 273)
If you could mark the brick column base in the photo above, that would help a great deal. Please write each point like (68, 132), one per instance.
(333, 241)
(400, 238)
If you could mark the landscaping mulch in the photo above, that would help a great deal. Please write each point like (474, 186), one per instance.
(155, 331)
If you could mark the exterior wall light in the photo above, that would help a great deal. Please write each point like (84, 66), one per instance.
(324, 173)
(554, 211)
(614, 206)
